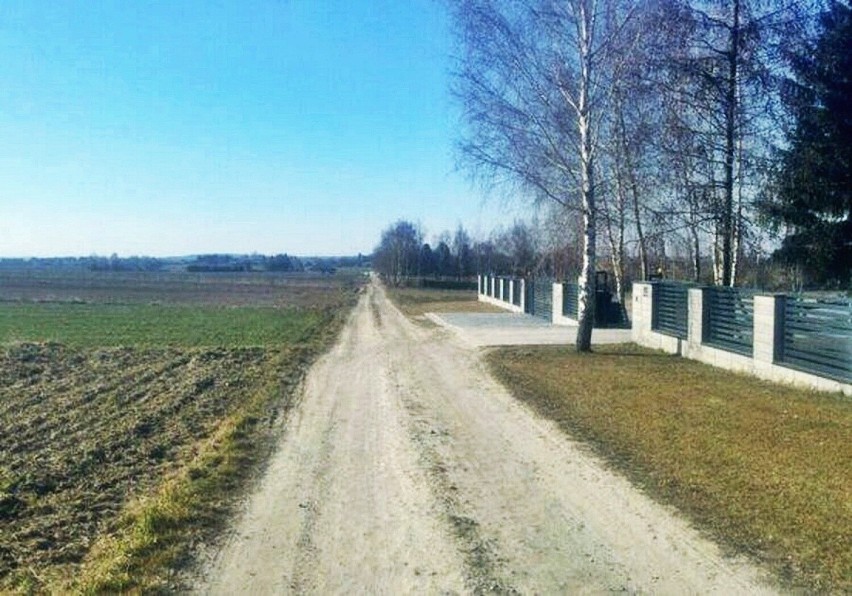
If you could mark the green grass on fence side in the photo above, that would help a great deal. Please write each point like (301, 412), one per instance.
(144, 325)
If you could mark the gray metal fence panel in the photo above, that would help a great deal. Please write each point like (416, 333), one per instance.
(570, 298)
(543, 299)
(818, 336)
(507, 296)
(516, 292)
(730, 319)
(670, 309)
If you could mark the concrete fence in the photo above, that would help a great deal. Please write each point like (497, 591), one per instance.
(764, 330)
(555, 301)
(513, 294)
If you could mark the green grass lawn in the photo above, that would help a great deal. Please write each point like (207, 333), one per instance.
(765, 468)
(144, 325)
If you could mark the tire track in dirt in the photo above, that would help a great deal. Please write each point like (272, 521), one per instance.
(407, 468)
(556, 519)
(344, 505)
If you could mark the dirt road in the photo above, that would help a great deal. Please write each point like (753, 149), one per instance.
(406, 468)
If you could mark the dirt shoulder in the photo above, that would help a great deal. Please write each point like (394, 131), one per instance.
(407, 468)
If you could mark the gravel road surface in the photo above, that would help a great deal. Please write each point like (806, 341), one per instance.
(407, 469)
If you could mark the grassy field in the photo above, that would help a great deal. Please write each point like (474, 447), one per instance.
(130, 421)
(210, 289)
(145, 325)
(765, 468)
(417, 301)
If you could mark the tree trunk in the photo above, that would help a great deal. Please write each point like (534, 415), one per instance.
(586, 298)
(736, 249)
(696, 254)
(730, 148)
(717, 258)
(634, 191)
(615, 237)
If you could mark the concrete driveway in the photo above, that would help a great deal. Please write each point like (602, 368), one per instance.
(511, 329)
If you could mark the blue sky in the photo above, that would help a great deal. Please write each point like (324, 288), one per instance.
(174, 127)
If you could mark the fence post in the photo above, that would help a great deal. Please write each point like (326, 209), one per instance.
(556, 306)
(769, 328)
(642, 310)
(697, 318)
(512, 291)
(523, 295)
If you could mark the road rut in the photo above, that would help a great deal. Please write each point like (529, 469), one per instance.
(407, 468)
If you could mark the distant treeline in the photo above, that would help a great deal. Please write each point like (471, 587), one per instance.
(196, 263)
(93, 263)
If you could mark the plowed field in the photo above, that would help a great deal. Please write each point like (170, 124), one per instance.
(95, 412)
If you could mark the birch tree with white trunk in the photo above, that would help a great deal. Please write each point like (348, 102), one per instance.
(534, 80)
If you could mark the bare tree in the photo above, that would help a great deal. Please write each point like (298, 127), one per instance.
(561, 241)
(720, 83)
(630, 157)
(396, 257)
(535, 78)
(462, 253)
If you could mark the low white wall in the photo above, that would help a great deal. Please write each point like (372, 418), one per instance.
(767, 340)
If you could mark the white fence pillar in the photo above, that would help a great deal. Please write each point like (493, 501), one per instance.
(643, 298)
(523, 295)
(696, 319)
(768, 327)
(556, 306)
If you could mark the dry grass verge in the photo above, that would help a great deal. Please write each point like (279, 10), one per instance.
(415, 302)
(765, 468)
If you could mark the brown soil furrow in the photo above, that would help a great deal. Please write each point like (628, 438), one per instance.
(93, 428)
